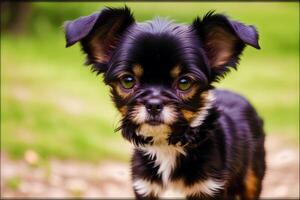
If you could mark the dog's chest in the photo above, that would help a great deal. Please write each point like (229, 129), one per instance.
(165, 158)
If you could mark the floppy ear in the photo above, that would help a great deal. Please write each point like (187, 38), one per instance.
(224, 40)
(99, 34)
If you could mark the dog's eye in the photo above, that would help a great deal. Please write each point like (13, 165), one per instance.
(184, 83)
(127, 81)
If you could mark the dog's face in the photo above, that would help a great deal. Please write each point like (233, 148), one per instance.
(159, 72)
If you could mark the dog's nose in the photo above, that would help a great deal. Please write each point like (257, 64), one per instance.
(154, 106)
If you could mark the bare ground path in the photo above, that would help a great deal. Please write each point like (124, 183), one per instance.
(111, 179)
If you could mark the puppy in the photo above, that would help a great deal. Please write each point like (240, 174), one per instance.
(202, 142)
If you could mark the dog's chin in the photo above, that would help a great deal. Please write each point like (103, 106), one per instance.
(158, 131)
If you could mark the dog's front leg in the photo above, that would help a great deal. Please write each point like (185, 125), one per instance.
(142, 197)
(145, 190)
(202, 197)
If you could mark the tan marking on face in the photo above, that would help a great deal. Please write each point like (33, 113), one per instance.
(197, 117)
(121, 92)
(137, 70)
(123, 110)
(175, 71)
(208, 98)
(251, 184)
(188, 115)
(188, 95)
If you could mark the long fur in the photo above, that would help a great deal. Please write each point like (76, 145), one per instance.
(204, 143)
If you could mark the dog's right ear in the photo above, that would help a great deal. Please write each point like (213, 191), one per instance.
(99, 33)
(223, 41)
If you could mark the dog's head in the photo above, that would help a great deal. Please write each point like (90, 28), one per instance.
(159, 72)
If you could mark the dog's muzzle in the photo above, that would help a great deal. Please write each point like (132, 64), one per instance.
(153, 108)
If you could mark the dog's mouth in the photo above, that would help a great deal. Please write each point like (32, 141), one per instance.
(154, 122)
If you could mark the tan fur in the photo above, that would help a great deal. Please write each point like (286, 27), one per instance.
(208, 98)
(117, 86)
(121, 92)
(159, 133)
(251, 183)
(188, 95)
(175, 71)
(205, 95)
(188, 115)
(137, 70)
(123, 110)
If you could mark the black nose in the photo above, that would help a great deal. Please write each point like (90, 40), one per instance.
(154, 106)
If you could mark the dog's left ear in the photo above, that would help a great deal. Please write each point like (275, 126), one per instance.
(224, 40)
(99, 34)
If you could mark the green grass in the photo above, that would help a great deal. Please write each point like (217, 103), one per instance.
(54, 105)
(14, 183)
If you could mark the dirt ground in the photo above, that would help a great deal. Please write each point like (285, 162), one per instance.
(111, 179)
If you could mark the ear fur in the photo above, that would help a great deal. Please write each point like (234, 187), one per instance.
(224, 40)
(99, 34)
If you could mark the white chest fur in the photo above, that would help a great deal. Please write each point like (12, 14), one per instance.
(177, 189)
(165, 157)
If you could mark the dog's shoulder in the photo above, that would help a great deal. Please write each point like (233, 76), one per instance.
(236, 107)
(228, 100)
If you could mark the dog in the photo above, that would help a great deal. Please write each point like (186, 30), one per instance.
(203, 142)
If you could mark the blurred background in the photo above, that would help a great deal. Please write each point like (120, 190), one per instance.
(57, 120)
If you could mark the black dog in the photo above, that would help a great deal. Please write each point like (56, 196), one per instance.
(204, 143)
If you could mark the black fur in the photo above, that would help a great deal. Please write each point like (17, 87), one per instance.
(228, 144)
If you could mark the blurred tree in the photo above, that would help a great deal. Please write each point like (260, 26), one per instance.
(15, 16)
